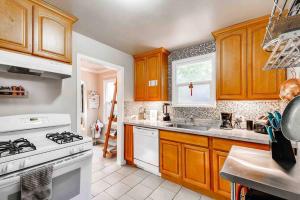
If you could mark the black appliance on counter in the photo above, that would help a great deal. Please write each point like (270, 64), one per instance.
(260, 125)
(166, 116)
(226, 119)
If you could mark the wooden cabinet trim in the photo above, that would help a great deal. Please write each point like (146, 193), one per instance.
(184, 138)
(149, 53)
(55, 9)
(239, 25)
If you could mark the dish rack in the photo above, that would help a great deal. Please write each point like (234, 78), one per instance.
(282, 36)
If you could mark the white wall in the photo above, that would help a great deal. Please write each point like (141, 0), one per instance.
(45, 95)
(59, 96)
(92, 48)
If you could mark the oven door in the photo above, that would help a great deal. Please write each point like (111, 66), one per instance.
(71, 179)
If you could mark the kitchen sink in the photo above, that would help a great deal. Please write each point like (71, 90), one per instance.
(189, 126)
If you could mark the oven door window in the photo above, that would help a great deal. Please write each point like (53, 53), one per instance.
(66, 186)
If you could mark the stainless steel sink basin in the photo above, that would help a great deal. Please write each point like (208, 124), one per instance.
(189, 126)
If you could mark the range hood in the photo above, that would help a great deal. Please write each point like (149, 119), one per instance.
(30, 65)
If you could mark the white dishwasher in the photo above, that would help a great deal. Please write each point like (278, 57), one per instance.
(146, 149)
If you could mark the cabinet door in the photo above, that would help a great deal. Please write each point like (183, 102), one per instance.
(231, 61)
(16, 25)
(153, 78)
(221, 186)
(195, 162)
(139, 79)
(170, 159)
(52, 35)
(261, 84)
(128, 143)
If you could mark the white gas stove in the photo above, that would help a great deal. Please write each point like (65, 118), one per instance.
(29, 141)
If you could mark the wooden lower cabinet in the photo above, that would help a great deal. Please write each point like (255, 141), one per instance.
(128, 144)
(196, 161)
(170, 159)
(220, 186)
(195, 165)
(220, 150)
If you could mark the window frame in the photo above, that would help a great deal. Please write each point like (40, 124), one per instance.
(105, 82)
(212, 82)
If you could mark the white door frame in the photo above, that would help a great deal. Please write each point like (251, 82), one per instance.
(120, 100)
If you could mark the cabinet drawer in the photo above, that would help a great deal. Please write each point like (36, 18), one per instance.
(184, 138)
(225, 145)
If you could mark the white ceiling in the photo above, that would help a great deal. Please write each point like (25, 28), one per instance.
(134, 26)
(93, 67)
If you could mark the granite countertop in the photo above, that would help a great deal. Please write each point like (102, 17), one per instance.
(256, 169)
(234, 134)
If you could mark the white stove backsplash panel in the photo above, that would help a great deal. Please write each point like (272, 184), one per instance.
(248, 109)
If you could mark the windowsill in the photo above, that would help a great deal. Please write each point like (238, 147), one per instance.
(193, 105)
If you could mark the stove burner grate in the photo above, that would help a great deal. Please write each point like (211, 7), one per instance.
(64, 137)
(18, 146)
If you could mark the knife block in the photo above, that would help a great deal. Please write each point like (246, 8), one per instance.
(282, 151)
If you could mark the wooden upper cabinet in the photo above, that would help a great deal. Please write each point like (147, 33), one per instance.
(35, 27)
(261, 84)
(231, 65)
(52, 35)
(240, 62)
(151, 75)
(128, 144)
(16, 25)
(196, 167)
(139, 77)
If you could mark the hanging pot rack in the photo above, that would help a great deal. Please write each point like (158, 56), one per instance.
(282, 36)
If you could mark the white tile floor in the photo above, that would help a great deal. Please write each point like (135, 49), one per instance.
(110, 182)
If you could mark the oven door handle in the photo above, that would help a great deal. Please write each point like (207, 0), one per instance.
(15, 178)
(73, 159)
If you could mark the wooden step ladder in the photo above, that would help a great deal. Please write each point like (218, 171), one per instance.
(111, 151)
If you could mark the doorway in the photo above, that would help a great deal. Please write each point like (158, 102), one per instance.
(96, 81)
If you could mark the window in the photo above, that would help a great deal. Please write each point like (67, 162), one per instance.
(194, 81)
(109, 86)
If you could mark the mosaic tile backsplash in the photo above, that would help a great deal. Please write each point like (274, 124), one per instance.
(248, 109)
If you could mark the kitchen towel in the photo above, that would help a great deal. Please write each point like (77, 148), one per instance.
(37, 184)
